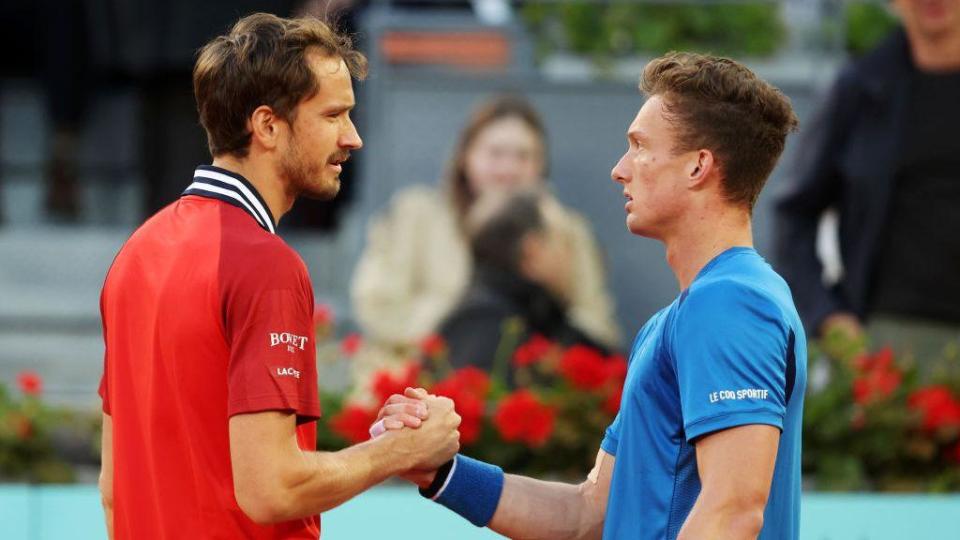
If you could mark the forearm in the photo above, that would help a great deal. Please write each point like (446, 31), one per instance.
(108, 514)
(333, 478)
(319, 481)
(105, 482)
(532, 509)
(729, 521)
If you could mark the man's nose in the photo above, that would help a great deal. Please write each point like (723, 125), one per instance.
(621, 171)
(351, 138)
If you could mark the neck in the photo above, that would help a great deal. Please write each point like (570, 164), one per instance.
(935, 54)
(264, 177)
(706, 236)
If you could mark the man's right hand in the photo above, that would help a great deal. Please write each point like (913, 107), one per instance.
(435, 442)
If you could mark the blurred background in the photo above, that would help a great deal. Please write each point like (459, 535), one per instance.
(98, 130)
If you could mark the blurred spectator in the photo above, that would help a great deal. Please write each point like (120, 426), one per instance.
(517, 266)
(416, 265)
(883, 152)
(48, 40)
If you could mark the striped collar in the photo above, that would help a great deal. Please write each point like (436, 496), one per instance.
(231, 188)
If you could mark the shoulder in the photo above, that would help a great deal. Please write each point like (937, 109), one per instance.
(729, 300)
(257, 255)
(873, 71)
(891, 53)
(416, 208)
(419, 197)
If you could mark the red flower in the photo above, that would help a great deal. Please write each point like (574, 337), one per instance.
(938, 407)
(353, 423)
(433, 346)
(322, 316)
(532, 351)
(30, 383)
(522, 417)
(616, 368)
(470, 408)
(386, 383)
(467, 387)
(875, 386)
(879, 377)
(474, 380)
(611, 404)
(351, 343)
(882, 360)
(584, 367)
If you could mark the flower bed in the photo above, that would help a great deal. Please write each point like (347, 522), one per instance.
(876, 422)
(551, 422)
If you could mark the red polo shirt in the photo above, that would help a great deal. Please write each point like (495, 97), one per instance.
(206, 314)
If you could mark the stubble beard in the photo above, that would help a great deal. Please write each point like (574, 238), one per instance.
(307, 179)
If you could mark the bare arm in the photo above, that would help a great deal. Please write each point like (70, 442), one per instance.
(533, 509)
(529, 509)
(276, 481)
(736, 469)
(106, 472)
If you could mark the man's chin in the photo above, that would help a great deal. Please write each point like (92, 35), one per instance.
(323, 192)
(636, 228)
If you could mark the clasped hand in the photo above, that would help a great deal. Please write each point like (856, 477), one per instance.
(425, 427)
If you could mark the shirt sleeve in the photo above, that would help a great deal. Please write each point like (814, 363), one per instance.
(104, 390)
(611, 439)
(730, 349)
(267, 309)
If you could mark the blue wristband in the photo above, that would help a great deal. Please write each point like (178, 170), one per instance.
(472, 489)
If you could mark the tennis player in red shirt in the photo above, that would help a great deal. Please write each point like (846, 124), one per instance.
(210, 384)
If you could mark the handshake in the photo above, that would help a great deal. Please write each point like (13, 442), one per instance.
(422, 430)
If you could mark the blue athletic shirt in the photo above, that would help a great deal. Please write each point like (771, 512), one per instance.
(729, 351)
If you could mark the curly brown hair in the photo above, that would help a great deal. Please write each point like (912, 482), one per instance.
(262, 61)
(719, 105)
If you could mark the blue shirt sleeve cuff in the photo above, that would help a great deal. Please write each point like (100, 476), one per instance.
(609, 445)
(710, 424)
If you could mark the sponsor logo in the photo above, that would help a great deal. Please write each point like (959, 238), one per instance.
(291, 341)
(746, 393)
(287, 372)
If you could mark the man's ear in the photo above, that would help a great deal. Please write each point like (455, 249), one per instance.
(701, 168)
(265, 127)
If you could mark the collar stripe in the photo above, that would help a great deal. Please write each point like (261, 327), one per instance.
(223, 185)
(204, 186)
(254, 201)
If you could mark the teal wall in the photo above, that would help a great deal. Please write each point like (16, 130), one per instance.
(398, 513)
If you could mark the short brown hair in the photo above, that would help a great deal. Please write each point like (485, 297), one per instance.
(488, 112)
(720, 105)
(262, 61)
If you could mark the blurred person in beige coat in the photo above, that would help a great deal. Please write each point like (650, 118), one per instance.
(416, 265)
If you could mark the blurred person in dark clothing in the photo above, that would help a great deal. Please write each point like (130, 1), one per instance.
(883, 152)
(48, 41)
(518, 269)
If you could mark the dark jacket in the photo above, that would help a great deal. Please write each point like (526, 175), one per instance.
(474, 330)
(846, 159)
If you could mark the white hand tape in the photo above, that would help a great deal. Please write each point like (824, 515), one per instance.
(377, 429)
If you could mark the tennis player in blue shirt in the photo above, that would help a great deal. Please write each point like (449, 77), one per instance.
(707, 442)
